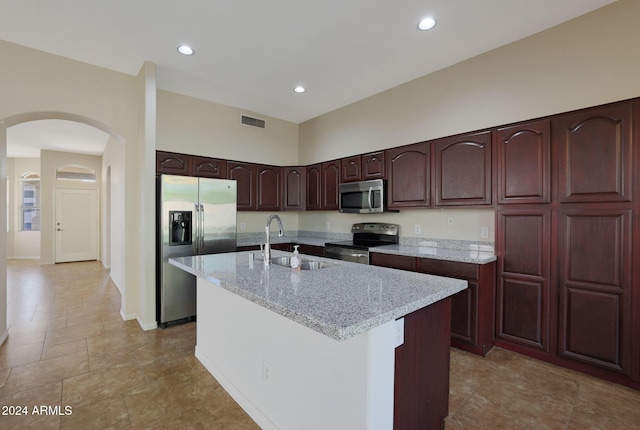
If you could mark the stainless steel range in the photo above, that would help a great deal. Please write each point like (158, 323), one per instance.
(365, 236)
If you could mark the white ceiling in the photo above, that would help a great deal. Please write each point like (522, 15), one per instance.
(252, 53)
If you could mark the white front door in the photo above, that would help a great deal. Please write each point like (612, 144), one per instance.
(76, 225)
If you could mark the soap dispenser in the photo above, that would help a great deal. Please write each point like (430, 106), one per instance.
(295, 259)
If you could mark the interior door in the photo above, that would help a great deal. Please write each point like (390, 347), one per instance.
(76, 225)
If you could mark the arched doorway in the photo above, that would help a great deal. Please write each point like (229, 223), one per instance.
(115, 202)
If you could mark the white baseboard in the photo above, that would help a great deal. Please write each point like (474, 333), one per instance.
(128, 317)
(147, 326)
(4, 336)
(247, 405)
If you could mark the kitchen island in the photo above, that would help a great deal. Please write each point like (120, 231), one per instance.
(346, 346)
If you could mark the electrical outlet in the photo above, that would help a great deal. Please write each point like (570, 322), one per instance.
(266, 371)
(484, 231)
(243, 226)
(450, 220)
(417, 229)
(328, 225)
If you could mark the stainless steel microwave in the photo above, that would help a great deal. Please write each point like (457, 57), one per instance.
(363, 197)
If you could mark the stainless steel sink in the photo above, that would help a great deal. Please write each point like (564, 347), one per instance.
(314, 265)
(304, 264)
(281, 261)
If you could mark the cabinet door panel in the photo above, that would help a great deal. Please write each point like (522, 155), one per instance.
(462, 170)
(408, 173)
(594, 153)
(204, 167)
(330, 181)
(268, 188)
(293, 188)
(373, 166)
(464, 314)
(594, 302)
(522, 312)
(314, 187)
(245, 176)
(523, 297)
(173, 164)
(351, 169)
(524, 163)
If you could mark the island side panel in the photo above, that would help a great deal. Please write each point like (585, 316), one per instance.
(315, 382)
(422, 369)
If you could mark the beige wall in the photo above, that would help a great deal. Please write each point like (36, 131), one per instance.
(588, 61)
(193, 126)
(113, 213)
(20, 244)
(35, 85)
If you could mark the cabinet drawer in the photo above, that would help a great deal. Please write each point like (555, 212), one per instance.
(401, 262)
(451, 269)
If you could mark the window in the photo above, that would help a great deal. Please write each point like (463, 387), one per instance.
(30, 202)
(74, 172)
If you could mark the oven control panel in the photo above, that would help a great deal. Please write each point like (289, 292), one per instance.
(376, 228)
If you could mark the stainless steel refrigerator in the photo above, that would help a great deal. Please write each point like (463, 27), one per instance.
(194, 216)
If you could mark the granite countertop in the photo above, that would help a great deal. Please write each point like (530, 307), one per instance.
(452, 250)
(340, 301)
(475, 256)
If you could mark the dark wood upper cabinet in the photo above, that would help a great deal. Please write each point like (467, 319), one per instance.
(523, 163)
(245, 176)
(351, 169)
(314, 187)
(268, 192)
(293, 188)
(594, 154)
(363, 167)
(205, 167)
(330, 181)
(373, 166)
(462, 170)
(173, 164)
(408, 173)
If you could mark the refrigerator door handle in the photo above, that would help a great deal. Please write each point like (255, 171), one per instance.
(201, 250)
(197, 227)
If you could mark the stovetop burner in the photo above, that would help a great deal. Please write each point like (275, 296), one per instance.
(368, 235)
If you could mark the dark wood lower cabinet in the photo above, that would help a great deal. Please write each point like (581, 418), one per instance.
(595, 288)
(317, 251)
(472, 310)
(565, 288)
(523, 291)
(421, 388)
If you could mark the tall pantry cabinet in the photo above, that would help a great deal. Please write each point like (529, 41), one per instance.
(565, 235)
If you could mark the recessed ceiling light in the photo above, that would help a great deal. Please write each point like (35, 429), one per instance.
(299, 89)
(185, 50)
(427, 23)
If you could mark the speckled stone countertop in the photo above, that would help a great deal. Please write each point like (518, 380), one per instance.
(340, 301)
(475, 256)
(437, 249)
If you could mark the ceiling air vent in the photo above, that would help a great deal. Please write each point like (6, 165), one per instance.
(254, 122)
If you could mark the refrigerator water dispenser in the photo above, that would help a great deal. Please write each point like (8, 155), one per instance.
(179, 228)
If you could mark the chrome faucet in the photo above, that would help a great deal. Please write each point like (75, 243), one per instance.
(267, 245)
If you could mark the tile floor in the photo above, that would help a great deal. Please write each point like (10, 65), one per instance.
(68, 347)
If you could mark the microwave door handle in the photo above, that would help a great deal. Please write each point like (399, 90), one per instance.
(370, 202)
